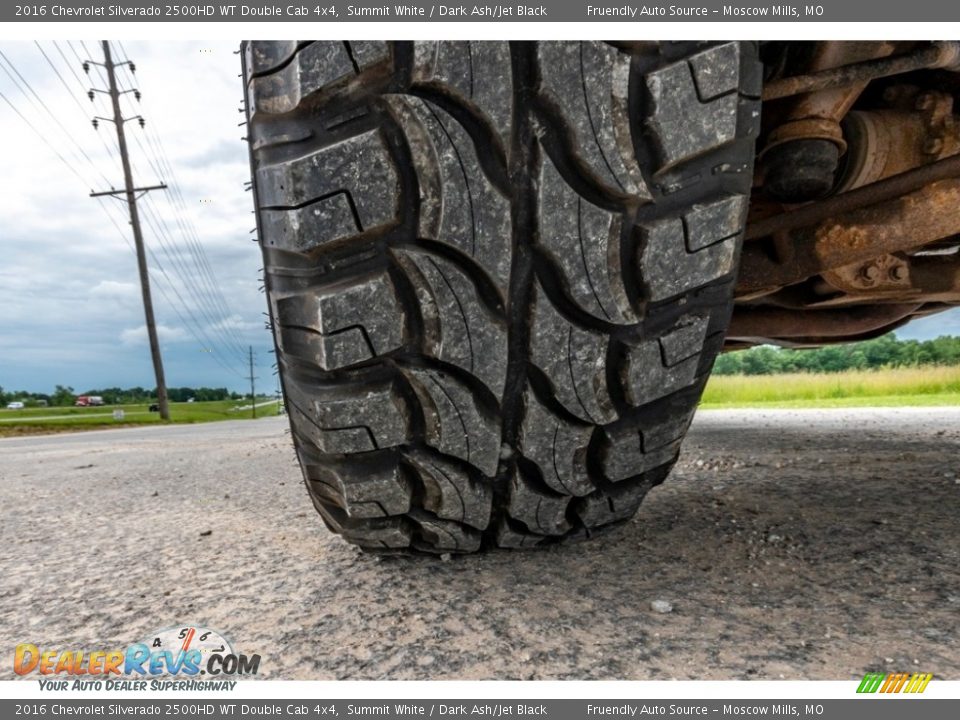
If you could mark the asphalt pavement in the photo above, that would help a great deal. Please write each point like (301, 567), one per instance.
(786, 544)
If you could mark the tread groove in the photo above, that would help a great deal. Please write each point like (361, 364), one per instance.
(464, 369)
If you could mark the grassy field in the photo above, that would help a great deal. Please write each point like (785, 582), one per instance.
(65, 419)
(866, 388)
(871, 388)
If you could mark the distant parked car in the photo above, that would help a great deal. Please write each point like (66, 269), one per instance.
(15, 405)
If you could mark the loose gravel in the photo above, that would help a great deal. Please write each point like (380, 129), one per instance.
(787, 544)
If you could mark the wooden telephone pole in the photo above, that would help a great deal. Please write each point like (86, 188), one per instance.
(253, 391)
(132, 194)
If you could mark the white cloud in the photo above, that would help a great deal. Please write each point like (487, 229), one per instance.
(236, 322)
(68, 277)
(113, 290)
(138, 335)
(69, 274)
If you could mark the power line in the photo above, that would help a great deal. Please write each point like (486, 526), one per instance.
(181, 213)
(205, 293)
(45, 107)
(164, 239)
(194, 327)
(73, 97)
(42, 137)
(132, 194)
(190, 322)
(205, 341)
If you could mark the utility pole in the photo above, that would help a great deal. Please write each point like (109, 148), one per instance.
(253, 392)
(132, 194)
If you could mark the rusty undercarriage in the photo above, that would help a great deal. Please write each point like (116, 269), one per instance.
(854, 227)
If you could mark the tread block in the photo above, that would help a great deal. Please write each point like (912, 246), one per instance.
(574, 359)
(455, 423)
(603, 508)
(460, 328)
(370, 419)
(363, 492)
(684, 126)
(588, 83)
(444, 535)
(385, 537)
(660, 366)
(450, 493)
(383, 533)
(263, 57)
(684, 340)
(543, 513)
(459, 205)
(584, 240)
(709, 223)
(313, 68)
(331, 194)
(635, 451)
(558, 447)
(475, 71)
(366, 53)
(344, 324)
(507, 537)
(716, 71)
(670, 264)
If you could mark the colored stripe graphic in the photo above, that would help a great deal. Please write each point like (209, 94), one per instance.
(918, 683)
(870, 683)
(894, 683)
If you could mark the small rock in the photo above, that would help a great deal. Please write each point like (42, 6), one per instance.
(205, 533)
(155, 494)
(661, 606)
(446, 557)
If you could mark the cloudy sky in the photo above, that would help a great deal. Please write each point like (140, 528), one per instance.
(70, 309)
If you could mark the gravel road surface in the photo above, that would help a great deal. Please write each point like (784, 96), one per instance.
(786, 544)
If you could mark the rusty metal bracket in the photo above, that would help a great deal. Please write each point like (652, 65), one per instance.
(899, 223)
(879, 192)
(750, 323)
(885, 274)
(936, 55)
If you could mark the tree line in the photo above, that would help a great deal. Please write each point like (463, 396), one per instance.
(883, 352)
(63, 395)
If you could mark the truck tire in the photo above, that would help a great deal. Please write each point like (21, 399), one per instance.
(498, 274)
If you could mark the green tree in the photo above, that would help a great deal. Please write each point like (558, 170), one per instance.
(883, 352)
(62, 396)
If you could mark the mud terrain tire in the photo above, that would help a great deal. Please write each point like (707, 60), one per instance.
(498, 273)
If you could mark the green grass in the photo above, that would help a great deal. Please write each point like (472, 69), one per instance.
(903, 387)
(925, 386)
(62, 419)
